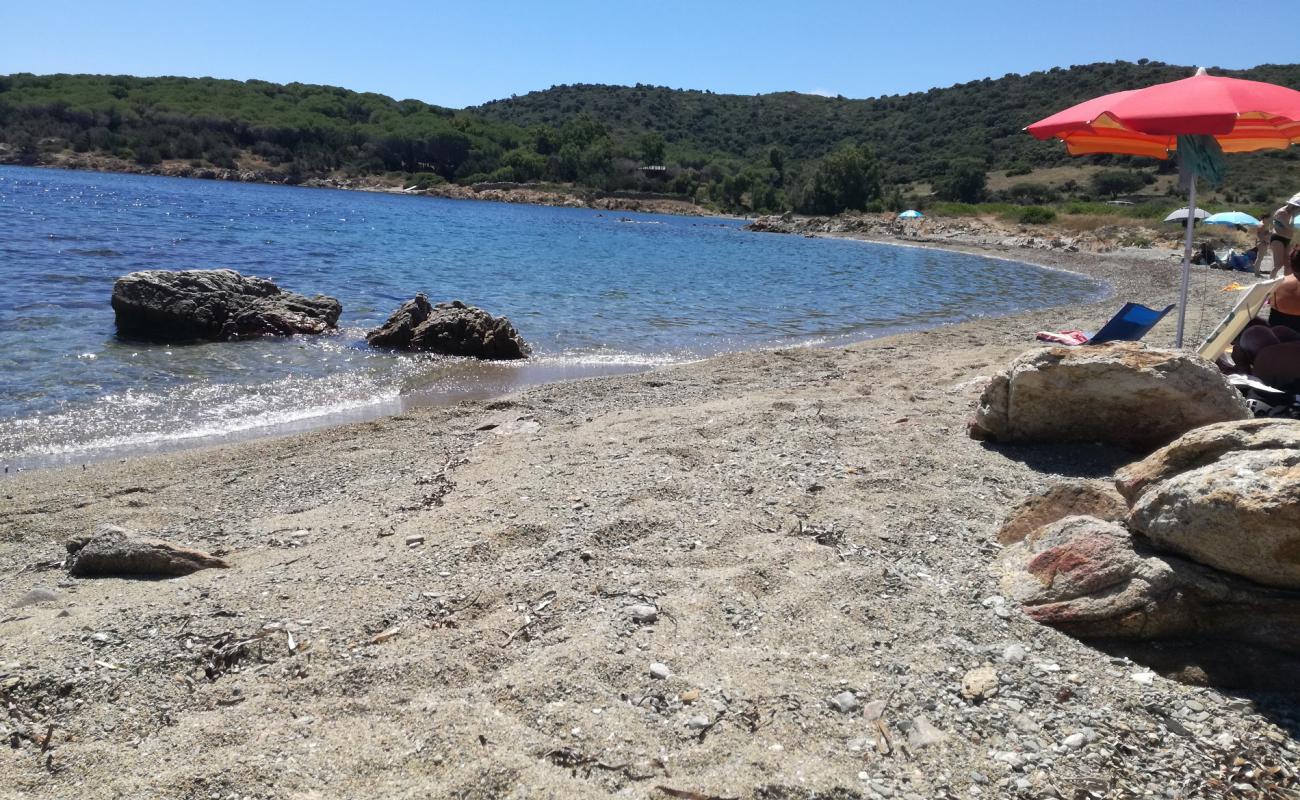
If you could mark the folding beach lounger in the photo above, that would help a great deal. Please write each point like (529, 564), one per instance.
(1132, 322)
(1232, 325)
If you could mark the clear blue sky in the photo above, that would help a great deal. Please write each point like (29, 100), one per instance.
(467, 52)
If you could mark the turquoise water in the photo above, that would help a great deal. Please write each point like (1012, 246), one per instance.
(593, 291)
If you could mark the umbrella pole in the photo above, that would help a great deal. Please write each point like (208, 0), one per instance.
(1187, 262)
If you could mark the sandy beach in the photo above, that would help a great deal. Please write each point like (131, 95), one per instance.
(443, 603)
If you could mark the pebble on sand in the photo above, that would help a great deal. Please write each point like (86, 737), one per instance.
(845, 702)
(644, 614)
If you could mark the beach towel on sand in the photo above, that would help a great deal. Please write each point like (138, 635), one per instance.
(1063, 337)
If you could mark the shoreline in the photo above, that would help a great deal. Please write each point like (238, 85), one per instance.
(522, 194)
(437, 602)
(508, 380)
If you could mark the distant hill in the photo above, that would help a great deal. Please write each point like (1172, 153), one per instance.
(916, 136)
(763, 152)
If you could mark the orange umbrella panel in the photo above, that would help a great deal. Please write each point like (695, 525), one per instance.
(1243, 116)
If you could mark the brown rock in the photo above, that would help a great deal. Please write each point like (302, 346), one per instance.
(1080, 571)
(1069, 499)
(116, 551)
(1204, 446)
(979, 684)
(1240, 514)
(1122, 394)
(1092, 579)
(453, 329)
(216, 304)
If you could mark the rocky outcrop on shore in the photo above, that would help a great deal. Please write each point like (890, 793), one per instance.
(453, 329)
(1207, 551)
(1123, 394)
(215, 305)
(972, 231)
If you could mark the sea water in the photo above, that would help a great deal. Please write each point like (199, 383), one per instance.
(594, 292)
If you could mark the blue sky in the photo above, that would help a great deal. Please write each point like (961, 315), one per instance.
(467, 52)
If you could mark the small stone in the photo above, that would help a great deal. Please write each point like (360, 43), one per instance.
(873, 710)
(698, 722)
(690, 696)
(644, 614)
(845, 702)
(414, 540)
(1075, 740)
(1144, 677)
(1014, 653)
(660, 671)
(923, 734)
(1011, 759)
(979, 684)
(35, 596)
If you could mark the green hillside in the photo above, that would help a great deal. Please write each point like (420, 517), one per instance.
(752, 153)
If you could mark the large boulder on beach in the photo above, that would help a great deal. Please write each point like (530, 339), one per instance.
(215, 305)
(453, 329)
(1204, 446)
(1122, 394)
(1093, 579)
(1083, 574)
(1074, 498)
(1228, 497)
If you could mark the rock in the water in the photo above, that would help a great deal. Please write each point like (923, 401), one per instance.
(453, 329)
(214, 305)
(1121, 394)
(115, 551)
(1240, 513)
(1068, 499)
(1204, 446)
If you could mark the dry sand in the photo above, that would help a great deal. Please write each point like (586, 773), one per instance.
(807, 522)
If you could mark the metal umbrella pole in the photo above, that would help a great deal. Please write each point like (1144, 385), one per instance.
(1187, 261)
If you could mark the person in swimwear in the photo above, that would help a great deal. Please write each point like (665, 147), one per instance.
(1263, 242)
(1282, 231)
(1286, 297)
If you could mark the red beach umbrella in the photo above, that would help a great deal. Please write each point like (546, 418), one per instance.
(1242, 116)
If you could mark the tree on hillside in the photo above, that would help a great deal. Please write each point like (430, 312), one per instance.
(1114, 182)
(964, 182)
(846, 180)
(652, 148)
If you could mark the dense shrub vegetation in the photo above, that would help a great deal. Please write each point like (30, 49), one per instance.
(742, 153)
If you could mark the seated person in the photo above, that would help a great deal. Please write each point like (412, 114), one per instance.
(1286, 298)
(1255, 339)
(1279, 366)
(1270, 351)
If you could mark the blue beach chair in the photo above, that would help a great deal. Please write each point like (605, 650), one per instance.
(1132, 322)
